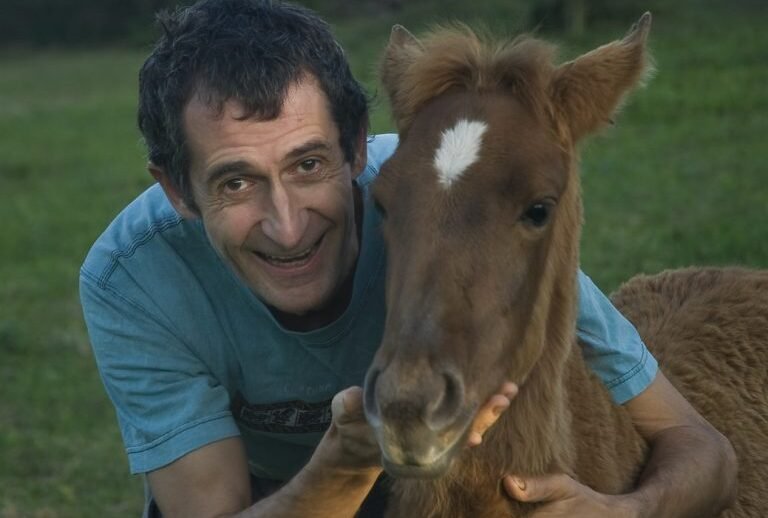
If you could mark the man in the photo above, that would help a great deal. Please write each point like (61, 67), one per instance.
(229, 303)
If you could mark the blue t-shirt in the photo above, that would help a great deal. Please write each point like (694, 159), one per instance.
(189, 355)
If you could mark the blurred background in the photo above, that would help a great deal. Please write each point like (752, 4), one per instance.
(680, 179)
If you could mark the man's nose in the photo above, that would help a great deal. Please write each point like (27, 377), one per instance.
(286, 220)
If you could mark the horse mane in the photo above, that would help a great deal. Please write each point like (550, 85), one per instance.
(455, 57)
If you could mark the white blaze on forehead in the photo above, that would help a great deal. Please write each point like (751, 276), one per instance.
(458, 150)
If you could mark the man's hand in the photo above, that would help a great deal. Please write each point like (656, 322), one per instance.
(563, 497)
(352, 442)
(340, 473)
(691, 470)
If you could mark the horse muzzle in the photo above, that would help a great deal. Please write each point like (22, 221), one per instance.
(420, 422)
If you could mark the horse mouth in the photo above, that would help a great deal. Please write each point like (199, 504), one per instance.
(426, 458)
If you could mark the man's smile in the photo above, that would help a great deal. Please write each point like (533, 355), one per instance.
(294, 261)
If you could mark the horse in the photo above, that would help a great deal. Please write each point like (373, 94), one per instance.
(481, 212)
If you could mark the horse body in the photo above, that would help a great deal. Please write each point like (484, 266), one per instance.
(708, 328)
(483, 214)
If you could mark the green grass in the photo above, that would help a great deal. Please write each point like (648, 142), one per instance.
(680, 180)
(70, 159)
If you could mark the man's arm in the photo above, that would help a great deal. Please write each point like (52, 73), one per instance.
(213, 481)
(691, 471)
(210, 481)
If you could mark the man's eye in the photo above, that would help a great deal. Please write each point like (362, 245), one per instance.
(309, 166)
(235, 185)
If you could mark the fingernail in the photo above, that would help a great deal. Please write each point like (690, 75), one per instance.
(497, 410)
(475, 439)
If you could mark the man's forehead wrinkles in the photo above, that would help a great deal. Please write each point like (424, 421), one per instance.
(315, 144)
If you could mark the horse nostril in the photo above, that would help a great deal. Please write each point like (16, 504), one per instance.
(369, 396)
(445, 411)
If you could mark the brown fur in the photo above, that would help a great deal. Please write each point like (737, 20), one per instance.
(708, 327)
(477, 295)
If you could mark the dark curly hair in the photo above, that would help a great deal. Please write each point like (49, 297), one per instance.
(250, 51)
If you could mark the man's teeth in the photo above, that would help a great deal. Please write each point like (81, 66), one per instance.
(290, 259)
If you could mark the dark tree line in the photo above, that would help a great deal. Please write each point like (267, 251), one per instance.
(77, 22)
(92, 22)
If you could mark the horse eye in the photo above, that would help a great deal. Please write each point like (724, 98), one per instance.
(537, 214)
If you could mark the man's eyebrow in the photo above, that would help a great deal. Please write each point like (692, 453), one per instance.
(236, 166)
(312, 145)
(243, 166)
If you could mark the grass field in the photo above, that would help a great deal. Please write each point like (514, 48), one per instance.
(681, 179)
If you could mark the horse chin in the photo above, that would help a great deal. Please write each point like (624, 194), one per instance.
(411, 448)
(430, 471)
(434, 459)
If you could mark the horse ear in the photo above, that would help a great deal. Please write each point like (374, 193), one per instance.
(402, 51)
(589, 90)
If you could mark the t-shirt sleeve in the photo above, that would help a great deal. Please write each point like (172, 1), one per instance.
(611, 345)
(167, 402)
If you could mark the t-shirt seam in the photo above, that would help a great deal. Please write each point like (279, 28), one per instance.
(112, 291)
(167, 436)
(632, 372)
(626, 376)
(136, 242)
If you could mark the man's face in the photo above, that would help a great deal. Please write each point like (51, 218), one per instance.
(276, 197)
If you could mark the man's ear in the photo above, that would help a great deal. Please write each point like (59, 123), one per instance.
(175, 196)
(361, 154)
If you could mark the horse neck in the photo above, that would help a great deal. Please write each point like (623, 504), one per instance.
(540, 417)
(561, 400)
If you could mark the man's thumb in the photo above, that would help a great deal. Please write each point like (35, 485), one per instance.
(347, 405)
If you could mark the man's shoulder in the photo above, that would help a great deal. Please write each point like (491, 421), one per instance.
(133, 231)
(380, 148)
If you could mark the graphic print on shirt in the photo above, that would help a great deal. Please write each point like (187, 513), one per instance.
(283, 417)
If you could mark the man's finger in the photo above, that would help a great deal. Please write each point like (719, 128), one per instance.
(544, 488)
(490, 412)
(509, 390)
